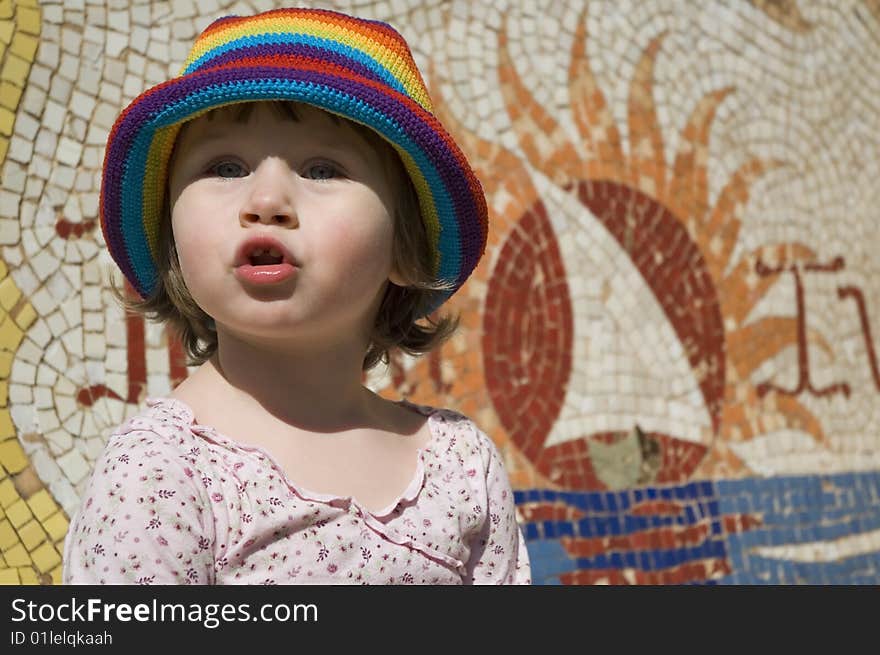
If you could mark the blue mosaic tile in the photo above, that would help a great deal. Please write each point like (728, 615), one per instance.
(611, 502)
(549, 560)
(531, 532)
(585, 527)
(614, 525)
(633, 524)
(790, 510)
(564, 529)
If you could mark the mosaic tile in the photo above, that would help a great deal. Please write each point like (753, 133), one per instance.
(643, 167)
(8, 536)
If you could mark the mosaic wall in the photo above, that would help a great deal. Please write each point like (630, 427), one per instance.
(670, 338)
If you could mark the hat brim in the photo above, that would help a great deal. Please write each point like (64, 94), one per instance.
(139, 148)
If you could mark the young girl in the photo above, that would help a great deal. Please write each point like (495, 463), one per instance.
(292, 207)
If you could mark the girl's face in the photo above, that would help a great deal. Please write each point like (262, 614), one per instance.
(313, 185)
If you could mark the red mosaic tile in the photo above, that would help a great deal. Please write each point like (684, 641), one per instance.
(569, 465)
(73, 230)
(559, 511)
(523, 343)
(137, 353)
(176, 359)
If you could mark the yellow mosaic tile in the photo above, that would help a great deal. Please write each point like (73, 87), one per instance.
(25, 317)
(5, 9)
(17, 556)
(9, 95)
(5, 363)
(28, 20)
(28, 576)
(25, 46)
(42, 505)
(9, 577)
(12, 456)
(15, 70)
(7, 120)
(6, 30)
(3, 269)
(9, 293)
(10, 334)
(4, 146)
(8, 536)
(4, 393)
(7, 429)
(32, 534)
(56, 526)
(56, 574)
(18, 513)
(8, 494)
(46, 558)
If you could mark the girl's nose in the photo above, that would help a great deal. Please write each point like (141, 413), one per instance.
(270, 198)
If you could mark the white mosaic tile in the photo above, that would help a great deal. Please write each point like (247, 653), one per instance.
(613, 376)
(45, 466)
(74, 466)
(9, 204)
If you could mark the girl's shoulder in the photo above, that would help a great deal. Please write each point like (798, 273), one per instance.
(161, 422)
(450, 419)
(455, 429)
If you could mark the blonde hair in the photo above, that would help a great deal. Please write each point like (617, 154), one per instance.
(397, 324)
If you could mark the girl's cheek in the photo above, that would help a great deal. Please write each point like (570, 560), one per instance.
(363, 249)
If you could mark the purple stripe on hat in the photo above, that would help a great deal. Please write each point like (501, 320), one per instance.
(380, 105)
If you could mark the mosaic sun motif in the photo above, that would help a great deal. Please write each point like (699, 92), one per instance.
(629, 341)
(679, 246)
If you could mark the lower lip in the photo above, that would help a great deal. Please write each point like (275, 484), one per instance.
(270, 274)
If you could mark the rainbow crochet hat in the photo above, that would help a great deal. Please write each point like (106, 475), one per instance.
(360, 69)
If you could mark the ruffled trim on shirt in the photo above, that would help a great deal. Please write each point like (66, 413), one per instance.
(180, 412)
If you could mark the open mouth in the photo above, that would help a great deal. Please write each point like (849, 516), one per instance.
(265, 257)
(262, 262)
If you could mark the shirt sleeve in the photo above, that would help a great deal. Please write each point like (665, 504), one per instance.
(144, 516)
(498, 553)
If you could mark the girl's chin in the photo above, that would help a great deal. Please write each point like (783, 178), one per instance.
(267, 325)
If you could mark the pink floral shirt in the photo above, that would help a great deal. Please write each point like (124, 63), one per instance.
(174, 502)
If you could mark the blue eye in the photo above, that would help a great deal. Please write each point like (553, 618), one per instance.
(228, 169)
(321, 171)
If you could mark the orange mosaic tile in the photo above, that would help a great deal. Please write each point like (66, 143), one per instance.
(679, 283)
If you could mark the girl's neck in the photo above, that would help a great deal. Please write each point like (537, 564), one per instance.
(316, 389)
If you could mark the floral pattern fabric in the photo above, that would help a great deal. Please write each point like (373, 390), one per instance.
(171, 501)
